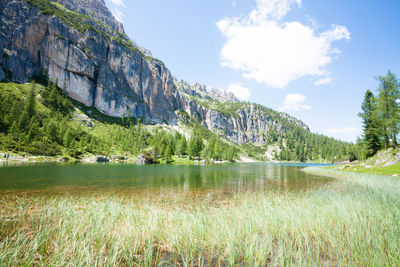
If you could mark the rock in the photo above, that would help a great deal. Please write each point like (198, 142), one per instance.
(63, 159)
(102, 159)
(102, 68)
(143, 159)
(119, 158)
(116, 77)
(140, 160)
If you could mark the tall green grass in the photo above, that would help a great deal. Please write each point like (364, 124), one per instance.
(354, 221)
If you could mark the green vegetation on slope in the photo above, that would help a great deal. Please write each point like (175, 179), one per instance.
(378, 146)
(41, 120)
(294, 141)
(353, 221)
(385, 162)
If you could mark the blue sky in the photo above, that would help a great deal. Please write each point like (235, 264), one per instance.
(310, 58)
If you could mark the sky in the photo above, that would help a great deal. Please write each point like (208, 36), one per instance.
(312, 59)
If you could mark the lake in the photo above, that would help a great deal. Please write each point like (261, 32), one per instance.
(78, 177)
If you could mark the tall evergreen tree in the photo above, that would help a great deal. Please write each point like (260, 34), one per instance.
(196, 144)
(31, 102)
(182, 147)
(29, 110)
(371, 124)
(168, 153)
(389, 108)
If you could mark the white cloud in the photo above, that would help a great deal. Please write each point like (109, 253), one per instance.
(239, 91)
(341, 131)
(271, 9)
(118, 15)
(118, 2)
(275, 52)
(295, 102)
(323, 81)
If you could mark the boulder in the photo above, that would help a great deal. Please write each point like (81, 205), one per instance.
(119, 158)
(63, 159)
(102, 159)
(144, 158)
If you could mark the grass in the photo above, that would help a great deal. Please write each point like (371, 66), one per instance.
(392, 170)
(384, 162)
(354, 221)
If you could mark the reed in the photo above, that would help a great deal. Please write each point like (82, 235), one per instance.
(354, 221)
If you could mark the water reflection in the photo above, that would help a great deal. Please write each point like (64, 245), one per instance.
(231, 177)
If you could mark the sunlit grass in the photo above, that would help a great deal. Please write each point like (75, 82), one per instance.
(354, 221)
(392, 170)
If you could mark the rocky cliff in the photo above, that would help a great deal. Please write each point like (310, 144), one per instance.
(79, 44)
(240, 122)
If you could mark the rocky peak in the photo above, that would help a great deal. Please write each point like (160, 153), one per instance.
(81, 46)
(201, 91)
(223, 95)
(94, 8)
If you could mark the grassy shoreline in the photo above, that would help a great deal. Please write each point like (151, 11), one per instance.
(353, 221)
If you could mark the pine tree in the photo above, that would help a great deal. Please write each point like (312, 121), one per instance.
(183, 146)
(51, 130)
(199, 143)
(192, 146)
(389, 108)
(196, 144)
(218, 150)
(29, 110)
(31, 102)
(371, 125)
(168, 152)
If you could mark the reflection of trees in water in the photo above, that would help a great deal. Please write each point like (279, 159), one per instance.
(232, 177)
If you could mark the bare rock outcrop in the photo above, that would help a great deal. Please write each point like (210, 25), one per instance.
(79, 44)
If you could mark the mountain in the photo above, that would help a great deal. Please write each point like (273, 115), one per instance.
(79, 45)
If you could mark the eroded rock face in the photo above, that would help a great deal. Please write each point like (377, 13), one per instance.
(98, 66)
(88, 54)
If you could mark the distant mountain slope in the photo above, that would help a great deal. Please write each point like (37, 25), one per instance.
(80, 45)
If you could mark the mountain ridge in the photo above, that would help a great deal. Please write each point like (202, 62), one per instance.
(84, 49)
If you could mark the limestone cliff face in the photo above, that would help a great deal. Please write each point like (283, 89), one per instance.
(85, 49)
(240, 122)
(79, 44)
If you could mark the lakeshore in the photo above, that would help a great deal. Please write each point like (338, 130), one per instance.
(353, 220)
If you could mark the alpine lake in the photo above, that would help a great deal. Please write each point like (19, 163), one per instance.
(241, 214)
(36, 178)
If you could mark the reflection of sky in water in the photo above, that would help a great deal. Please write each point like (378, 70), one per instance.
(230, 177)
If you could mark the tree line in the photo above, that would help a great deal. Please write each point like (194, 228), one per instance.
(39, 120)
(380, 116)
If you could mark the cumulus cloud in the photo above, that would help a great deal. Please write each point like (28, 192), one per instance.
(118, 2)
(275, 52)
(295, 102)
(323, 81)
(239, 91)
